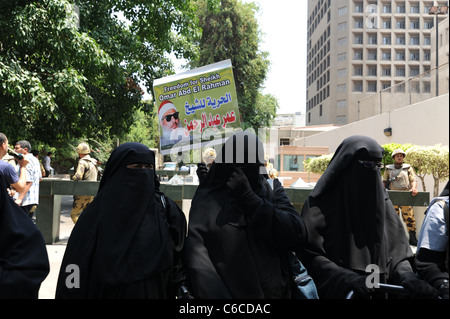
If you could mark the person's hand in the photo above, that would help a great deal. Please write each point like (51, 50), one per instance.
(240, 188)
(414, 191)
(359, 286)
(418, 288)
(443, 290)
(238, 183)
(201, 171)
(23, 162)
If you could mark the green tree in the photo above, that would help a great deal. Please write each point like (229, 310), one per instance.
(231, 31)
(61, 81)
(430, 160)
(319, 164)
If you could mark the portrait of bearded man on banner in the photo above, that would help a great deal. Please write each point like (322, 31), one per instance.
(172, 132)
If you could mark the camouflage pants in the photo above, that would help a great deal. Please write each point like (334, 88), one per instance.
(79, 204)
(407, 216)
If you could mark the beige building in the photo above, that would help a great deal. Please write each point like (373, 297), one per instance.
(357, 48)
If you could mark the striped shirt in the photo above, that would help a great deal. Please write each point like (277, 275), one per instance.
(33, 175)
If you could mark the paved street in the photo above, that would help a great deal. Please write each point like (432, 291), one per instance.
(56, 251)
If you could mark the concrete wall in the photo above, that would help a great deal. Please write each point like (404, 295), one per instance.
(425, 123)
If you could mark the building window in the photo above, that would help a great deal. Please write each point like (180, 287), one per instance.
(386, 71)
(414, 71)
(401, 24)
(400, 71)
(372, 86)
(342, 72)
(401, 8)
(386, 55)
(342, 57)
(342, 11)
(342, 26)
(357, 70)
(415, 25)
(415, 9)
(414, 40)
(414, 56)
(293, 163)
(358, 55)
(400, 88)
(400, 56)
(400, 40)
(341, 119)
(428, 24)
(386, 39)
(385, 86)
(358, 39)
(342, 42)
(284, 141)
(387, 8)
(342, 88)
(372, 55)
(342, 104)
(372, 70)
(357, 86)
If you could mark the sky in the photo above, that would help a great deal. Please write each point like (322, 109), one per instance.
(284, 24)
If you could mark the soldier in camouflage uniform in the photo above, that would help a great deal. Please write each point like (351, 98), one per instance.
(87, 171)
(401, 177)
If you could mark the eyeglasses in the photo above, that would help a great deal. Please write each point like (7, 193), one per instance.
(169, 117)
(370, 164)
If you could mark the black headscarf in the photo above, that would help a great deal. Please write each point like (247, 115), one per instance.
(234, 251)
(23, 256)
(122, 236)
(350, 219)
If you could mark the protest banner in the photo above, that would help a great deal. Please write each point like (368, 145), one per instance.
(196, 108)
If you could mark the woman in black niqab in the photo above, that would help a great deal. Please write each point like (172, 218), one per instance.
(125, 243)
(24, 261)
(352, 224)
(240, 230)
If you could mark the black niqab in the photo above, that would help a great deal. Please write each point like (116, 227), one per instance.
(233, 251)
(350, 219)
(122, 237)
(24, 261)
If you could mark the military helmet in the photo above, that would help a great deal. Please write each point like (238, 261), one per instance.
(398, 151)
(83, 148)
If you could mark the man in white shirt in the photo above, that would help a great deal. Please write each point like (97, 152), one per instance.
(29, 198)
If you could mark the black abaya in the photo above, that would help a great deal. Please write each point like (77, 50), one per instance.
(24, 261)
(125, 243)
(237, 251)
(352, 223)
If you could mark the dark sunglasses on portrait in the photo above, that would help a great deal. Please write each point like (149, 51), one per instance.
(370, 164)
(169, 117)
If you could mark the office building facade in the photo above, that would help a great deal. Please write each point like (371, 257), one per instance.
(357, 48)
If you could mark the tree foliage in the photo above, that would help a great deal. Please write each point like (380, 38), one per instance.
(317, 165)
(430, 160)
(231, 31)
(61, 81)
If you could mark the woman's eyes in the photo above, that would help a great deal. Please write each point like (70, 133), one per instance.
(140, 166)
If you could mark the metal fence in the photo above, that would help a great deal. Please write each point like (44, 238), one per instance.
(418, 88)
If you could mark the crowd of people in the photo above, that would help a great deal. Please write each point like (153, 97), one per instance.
(244, 238)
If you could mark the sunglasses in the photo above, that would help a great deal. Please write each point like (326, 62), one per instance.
(370, 164)
(169, 117)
